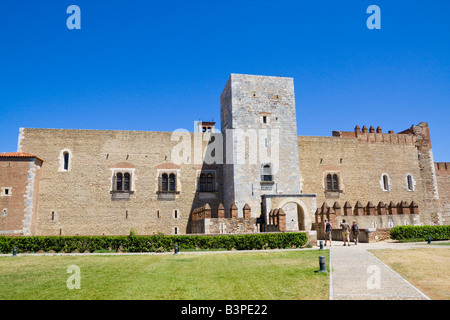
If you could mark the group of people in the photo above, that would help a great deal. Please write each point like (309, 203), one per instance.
(346, 229)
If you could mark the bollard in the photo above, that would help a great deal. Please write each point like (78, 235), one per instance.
(322, 264)
(429, 239)
(321, 245)
(176, 249)
(14, 252)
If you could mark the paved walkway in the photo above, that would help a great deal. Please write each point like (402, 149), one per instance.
(357, 274)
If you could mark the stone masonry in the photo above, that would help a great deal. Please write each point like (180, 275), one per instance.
(109, 182)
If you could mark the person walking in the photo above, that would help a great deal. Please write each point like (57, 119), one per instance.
(327, 229)
(355, 232)
(345, 232)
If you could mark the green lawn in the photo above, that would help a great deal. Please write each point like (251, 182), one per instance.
(283, 275)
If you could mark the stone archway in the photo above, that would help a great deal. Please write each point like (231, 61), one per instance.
(299, 209)
(295, 216)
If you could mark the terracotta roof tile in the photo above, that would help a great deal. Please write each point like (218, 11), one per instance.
(167, 166)
(122, 165)
(18, 155)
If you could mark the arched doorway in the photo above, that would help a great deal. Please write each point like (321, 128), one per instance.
(295, 216)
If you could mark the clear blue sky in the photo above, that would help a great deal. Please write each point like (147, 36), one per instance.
(159, 65)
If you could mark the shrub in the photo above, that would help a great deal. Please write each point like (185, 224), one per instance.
(154, 243)
(404, 233)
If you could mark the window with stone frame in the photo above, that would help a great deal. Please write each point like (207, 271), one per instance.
(410, 182)
(168, 182)
(385, 182)
(65, 160)
(266, 175)
(122, 181)
(332, 182)
(207, 182)
(6, 192)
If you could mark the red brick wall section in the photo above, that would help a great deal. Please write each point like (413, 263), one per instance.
(19, 181)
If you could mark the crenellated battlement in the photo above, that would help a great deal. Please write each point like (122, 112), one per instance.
(367, 216)
(369, 209)
(442, 167)
(372, 135)
(204, 220)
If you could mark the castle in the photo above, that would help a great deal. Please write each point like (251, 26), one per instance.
(253, 174)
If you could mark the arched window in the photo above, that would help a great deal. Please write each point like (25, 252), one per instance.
(66, 161)
(332, 182)
(335, 182)
(126, 182)
(267, 173)
(122, 180)
(165, 182)
(385, 182)
(203, 182)
(409, 182)
(329, 182)
(119, 182)
(172, 182)
(209, 182)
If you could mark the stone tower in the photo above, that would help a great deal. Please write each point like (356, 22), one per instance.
(258, 122)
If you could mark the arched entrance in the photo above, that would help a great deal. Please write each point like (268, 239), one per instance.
(295, 216)
(299, 209)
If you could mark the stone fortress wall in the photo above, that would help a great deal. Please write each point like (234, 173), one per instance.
(82, 197)
(359, 168)
(360, 159)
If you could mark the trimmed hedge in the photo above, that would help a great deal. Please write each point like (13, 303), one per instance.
(154, 243)
(420, 232)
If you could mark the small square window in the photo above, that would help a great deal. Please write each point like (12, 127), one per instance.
(6, 192)
(264, 118)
